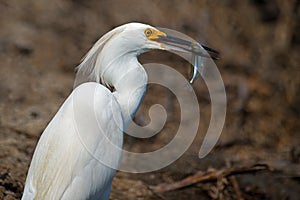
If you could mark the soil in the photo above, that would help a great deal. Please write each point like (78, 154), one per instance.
(41, 42)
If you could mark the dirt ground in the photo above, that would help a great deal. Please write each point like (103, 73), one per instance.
(41, 42)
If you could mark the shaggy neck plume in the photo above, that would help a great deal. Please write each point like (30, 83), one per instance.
(120, 70)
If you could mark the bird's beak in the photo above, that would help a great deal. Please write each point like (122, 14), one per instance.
(173, 43)
(197, 50)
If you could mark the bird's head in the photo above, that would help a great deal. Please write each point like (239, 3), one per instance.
(137, 37)
(142, 37)
(134, 39)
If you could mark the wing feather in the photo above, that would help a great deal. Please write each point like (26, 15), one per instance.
(76, 154)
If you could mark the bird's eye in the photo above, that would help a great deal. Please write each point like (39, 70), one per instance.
(148, 32)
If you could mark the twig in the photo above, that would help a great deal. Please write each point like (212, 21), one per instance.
(235, 184)
(236, 187)
(284, 167)
(207, 176)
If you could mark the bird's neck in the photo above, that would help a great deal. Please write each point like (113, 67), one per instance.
(129, 80)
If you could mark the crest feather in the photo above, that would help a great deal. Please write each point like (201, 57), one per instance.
(85, 71)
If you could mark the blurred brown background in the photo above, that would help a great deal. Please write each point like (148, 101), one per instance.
(42, 41)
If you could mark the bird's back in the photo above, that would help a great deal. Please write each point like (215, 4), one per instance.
(73, 158)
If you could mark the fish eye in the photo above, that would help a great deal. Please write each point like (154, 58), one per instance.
(148, 32)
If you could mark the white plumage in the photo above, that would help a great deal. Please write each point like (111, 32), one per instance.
(80, 149)
(62, 167)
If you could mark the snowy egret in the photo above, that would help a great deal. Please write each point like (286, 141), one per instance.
(62, 167)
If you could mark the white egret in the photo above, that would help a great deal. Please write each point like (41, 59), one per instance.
(65, 163)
